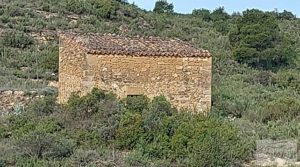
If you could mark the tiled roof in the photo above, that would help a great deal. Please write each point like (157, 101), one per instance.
(137, 46)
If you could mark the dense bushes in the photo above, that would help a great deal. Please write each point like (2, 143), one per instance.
(192, 140)
(75, 133)
(102, 9)
(17, 39)
(283, 108)
(259, 42)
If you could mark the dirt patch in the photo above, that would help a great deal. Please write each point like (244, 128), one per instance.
(10, 100)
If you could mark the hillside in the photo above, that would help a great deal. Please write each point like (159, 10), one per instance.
(256, 78)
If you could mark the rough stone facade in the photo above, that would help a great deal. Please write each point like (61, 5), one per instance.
(185, 80)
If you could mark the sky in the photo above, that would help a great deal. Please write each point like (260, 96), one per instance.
(187, 6)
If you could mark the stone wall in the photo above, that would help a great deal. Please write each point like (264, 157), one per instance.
(186, 82)
(71, 65)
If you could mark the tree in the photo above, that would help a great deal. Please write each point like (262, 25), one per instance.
(286, 15)
(258, 42)
(162, 6)
(203, 13)
(219, 14)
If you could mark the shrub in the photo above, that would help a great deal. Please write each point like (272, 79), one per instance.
(2, 163)
(288, 79)
(50, 61)
(43, 107)
(42, 144)
(36, 144)
(137, 159)
(4, 19)
(102, 9)
(20, 125)
(105, 9)
(262, 77)
(48, 125)
(63, 148)
(208, 142)
(14, 11)
(283, 108)
(98, 107)
(35, 162)
(192, 140)
(78, 6)
(129, 130)
(85, 158)
(137, 103)
(17, 39)
(160, 105)
(2, 132)
(86, 104)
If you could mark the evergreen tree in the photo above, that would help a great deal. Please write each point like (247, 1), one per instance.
(258, 42)
(162, 6)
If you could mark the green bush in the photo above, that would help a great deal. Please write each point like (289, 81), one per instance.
(137, 103)
(157, 133)
(98, 107)
(265, 78)
(137, 158)
(42, 107)
(36, 162)
(102, 9)
(42, 143)
(288, 79)
(188, 139)
(19, 125)
(50, 61)
(160, 105)
(86, 104)
(63, 148)
(209, 142)
(4, 19)
(283, 108)
(36, 144)
(2, 163)
(85, 158)
(2, 132)
(17, 39)
(129, 130)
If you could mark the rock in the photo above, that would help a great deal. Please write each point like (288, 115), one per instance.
(24, 69)
(19, 93)
(53, 84)
(7, 93)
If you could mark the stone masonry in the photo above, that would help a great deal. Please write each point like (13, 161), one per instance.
(136, 66)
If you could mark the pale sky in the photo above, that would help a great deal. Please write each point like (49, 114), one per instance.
(187, 6)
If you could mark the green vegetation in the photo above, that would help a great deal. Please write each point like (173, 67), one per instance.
(258, 41)
(162, 6)
(256, 87)
(82, 131)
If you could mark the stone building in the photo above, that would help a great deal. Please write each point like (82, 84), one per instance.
(135, 66)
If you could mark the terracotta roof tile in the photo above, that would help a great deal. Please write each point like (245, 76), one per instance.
(137, 46)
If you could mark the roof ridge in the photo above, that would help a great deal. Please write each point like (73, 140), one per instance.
(110, 43)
